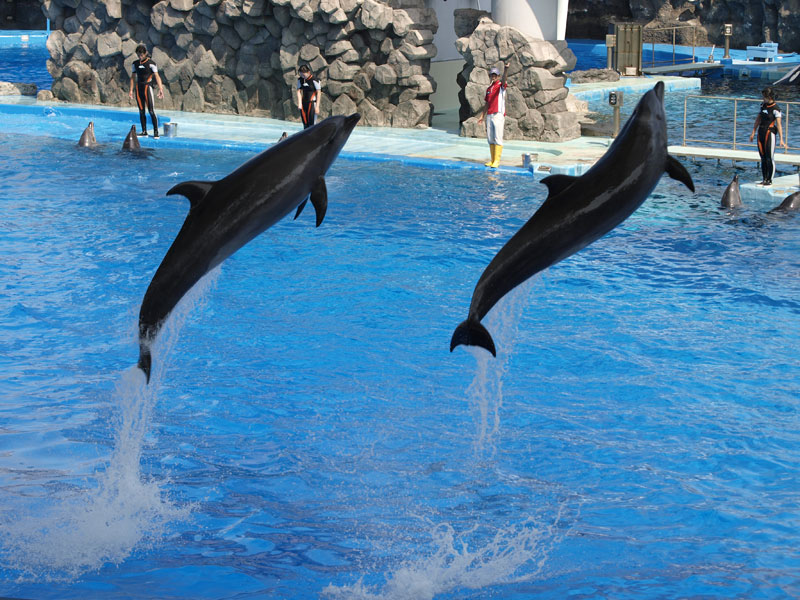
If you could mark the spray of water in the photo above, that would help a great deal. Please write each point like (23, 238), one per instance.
(483, 556)
(70, 532)
(485, 393)
(471, 560)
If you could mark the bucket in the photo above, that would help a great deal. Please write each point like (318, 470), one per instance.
(528, 158)
(170, 129)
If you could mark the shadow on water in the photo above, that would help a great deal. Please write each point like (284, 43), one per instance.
(72, 530)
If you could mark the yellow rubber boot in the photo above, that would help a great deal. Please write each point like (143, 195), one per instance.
(491, 158)
(498, 150)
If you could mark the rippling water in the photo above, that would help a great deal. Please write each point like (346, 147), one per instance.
(26, 64)
(309, 435)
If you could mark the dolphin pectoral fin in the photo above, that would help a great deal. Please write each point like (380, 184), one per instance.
(678, 172)
(300, 208)
(472, 333)
(558, 183)
(319, 198)
(195, 191)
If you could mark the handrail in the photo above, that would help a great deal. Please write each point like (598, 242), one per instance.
(718, 126)
(674, 30)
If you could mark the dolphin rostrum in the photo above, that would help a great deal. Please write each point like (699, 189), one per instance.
(732, 197)
(578, 211)
(226, 214)
(131, 140)
(789, 204)
(87, 137)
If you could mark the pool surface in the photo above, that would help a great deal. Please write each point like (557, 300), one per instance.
(308, 434)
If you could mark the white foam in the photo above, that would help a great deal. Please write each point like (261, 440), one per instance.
(509, 555)
(119, 511)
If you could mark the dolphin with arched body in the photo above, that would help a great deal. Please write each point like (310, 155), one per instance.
(228, 213)
(578, 211)
(732, 196)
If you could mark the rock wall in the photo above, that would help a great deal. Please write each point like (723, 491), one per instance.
(753, 21)
(21, 14)
(241, 56)
(536, 98)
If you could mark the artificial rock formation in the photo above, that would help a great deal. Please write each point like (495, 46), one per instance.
(8, 88)
(536, 99)
(241, 56)
(754, 21)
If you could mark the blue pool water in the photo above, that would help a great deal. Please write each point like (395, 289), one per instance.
(308, 435)
(25, 64)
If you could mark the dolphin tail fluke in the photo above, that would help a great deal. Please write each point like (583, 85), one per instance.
(145, 360)
(472, 333)
(678, 172)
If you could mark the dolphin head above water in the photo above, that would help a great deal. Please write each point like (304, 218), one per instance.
(87, 137)
(131, 140)
(732, 196)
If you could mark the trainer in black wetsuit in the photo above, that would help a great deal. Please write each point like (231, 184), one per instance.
(767, 124)
(146, 73)
(308, 96)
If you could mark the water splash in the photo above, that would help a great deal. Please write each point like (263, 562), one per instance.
(476, 559)
(485, 393)
(119, 511)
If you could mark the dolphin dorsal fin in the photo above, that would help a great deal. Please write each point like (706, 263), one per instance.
(558, 183)
(195, 191)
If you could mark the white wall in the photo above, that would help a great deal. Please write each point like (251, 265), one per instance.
(445, 38)
(542, 19)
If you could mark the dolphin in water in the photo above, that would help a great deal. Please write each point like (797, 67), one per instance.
(226, 214)
(131, 140)
(732, 197)
(578, 211)
(87, 137)
(790, 204)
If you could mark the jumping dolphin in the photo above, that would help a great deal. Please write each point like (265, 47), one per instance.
(579, 210)
(226, 214)
(789, 204)
(790, 77)
(87, 137)
(131, 140)
(732, 197)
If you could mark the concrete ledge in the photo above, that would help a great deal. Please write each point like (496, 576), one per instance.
(593, 92)
(772, 195)
(728, 154)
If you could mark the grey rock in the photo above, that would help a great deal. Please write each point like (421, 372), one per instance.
(8, 88)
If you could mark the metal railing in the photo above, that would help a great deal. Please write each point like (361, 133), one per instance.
(720, 125)
(674, 31)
